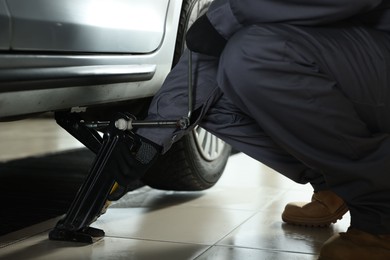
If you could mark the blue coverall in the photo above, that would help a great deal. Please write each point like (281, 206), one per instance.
(303, 87)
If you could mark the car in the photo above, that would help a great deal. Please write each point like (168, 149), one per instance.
(97, 57)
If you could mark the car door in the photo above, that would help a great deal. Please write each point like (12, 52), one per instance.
(97, 26)
(4, 26)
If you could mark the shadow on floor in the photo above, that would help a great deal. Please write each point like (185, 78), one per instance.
(39, 188)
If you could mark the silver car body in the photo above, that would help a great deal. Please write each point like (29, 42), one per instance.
(71, 53)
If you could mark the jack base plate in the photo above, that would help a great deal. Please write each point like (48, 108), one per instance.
(86, 235)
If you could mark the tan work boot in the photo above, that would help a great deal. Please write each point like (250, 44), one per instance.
(356, 245)
(325, 208)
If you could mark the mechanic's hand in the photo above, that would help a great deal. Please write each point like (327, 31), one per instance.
(132, 156)
(203, 38)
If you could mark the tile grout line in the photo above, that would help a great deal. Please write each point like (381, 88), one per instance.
(246, 220)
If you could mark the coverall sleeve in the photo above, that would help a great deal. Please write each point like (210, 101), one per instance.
(228, 16)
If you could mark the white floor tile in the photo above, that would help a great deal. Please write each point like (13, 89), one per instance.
(176, 224)
(266, 230)
(237, 253)
(40, 248)
(33, 137)
(238, 219)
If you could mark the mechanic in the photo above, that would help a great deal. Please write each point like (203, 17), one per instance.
(301, 86)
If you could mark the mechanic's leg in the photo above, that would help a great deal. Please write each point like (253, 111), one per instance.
(171, 101)
(223, 119)
(285, 78)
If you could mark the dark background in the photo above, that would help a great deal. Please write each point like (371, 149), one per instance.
(39, 188)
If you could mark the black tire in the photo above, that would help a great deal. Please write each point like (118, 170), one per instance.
(191, 164)
(190, 11)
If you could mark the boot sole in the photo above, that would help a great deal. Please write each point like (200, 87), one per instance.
(316, 222)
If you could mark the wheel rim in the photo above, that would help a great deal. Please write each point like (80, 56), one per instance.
(209, 146)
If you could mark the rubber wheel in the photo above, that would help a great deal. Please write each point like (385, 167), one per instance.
(197, 161)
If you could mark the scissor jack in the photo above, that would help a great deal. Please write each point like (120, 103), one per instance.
(104, 172)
